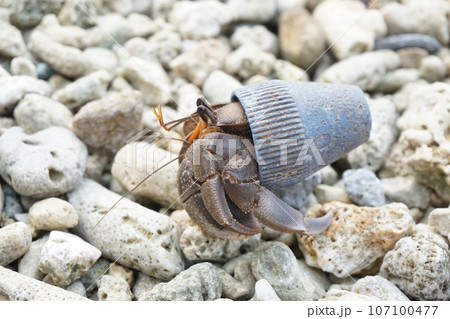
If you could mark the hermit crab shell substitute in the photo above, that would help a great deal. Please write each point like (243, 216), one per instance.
(299, 127)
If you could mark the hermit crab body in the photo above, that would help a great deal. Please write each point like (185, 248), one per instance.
(272, 134)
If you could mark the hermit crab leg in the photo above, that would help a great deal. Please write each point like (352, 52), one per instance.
(213, 194)
(189, 188)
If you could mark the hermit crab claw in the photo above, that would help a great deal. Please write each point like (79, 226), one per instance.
(318, 225)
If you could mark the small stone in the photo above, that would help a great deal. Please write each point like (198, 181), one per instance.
(23, 66)
(258, 11)
(329, 175)
(25, 14)
(15, 286)
(129, 170)
(231, 288)
(197, 246)
(143, 284)
(432, 69)
(302, 40)
(13, 88)
(326, 193)
(364, 70)
(51, 214)
(405, 40)
(422, 148)
(285, 70)
(346, 33)
(63, 59)
(112, 288)
(44, 71)
(405, 189)
(363, 187)
(419, 266)
(11, 41)
(244, 274)
(344, 295)
(83, 90)
(374, 152)
(37, 112)
(218, 87)
(65, 257)
(394, 80)
(378, 287)
(418, 17)
(257, 35)
(71, 36)
(357, 238)
(77, 287)
(275, 262)
(123, 272)
(163, 46)
(29, 263)
(113, 28)
(80, 12)
(138, 237)
(107, 124)
(264, 292)
(199, 20)
(15, 240)
(249, 60)
(97, 270)
(439, 219)
(148, 77)
(11, 205)
(198, 283)
(186, 96)
(411, 57)
(197, 64)
(100, 59)
(58, 161)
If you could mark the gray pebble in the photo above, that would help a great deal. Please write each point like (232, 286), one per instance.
(13, 88)
(276, 263)
(54, 158)
(138, 237)
(66, 257)
(419, 266)
(199, 282)
(15, 240)
(37, 112)
(112, 288)
(44, 71)
(29, 263)
(90, 278)
(15, 286)
(408, 40)
(363, 187)
(11, 204)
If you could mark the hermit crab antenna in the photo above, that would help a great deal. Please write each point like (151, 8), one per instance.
(159, 116)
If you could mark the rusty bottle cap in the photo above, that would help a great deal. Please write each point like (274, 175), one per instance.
(300, 127)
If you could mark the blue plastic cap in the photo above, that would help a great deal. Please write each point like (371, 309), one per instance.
(300, 127)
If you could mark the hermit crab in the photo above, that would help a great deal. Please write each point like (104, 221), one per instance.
(272, 134)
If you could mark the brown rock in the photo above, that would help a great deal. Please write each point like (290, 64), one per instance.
(302, 40)
(357, 238)
(106, 124)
